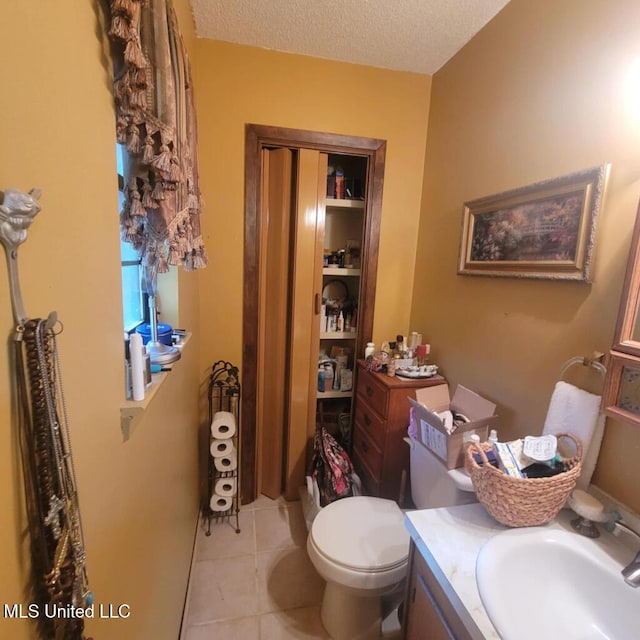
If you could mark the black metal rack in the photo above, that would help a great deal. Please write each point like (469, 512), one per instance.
(224, 395)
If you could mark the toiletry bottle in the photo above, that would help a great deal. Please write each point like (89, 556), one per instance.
(321, 378)
(137, 366)
(127, 368)
(391, 368)
(473, 438)
(340, 321)
(493, 436)
(339, 183)
(328, 377)
(370, 349)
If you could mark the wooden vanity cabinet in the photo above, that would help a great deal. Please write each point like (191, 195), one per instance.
(428, 612)
(379, 452)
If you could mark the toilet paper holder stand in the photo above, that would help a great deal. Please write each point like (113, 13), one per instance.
(224, 396)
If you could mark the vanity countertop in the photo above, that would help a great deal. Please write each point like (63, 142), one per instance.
(449, 539)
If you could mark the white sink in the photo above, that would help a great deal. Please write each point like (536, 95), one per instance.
(551, 583)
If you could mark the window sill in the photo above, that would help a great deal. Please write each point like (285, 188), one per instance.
(131, 411)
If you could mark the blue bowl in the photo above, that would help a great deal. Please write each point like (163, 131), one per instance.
(164, 333)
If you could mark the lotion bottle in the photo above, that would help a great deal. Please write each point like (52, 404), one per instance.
(328, 377)
(137, 366)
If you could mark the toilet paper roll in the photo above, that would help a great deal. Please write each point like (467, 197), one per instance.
(220, 503)
(223, 425)
(221, 448)
(225, 487)
(226, 463)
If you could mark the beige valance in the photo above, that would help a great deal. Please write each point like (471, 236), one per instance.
(156, 122)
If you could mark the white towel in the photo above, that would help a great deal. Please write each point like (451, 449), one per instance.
(576, 411)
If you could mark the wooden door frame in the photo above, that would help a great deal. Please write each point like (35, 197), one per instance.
(257, 137)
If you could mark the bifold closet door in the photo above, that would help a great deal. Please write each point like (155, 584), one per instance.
(306, 300)
(273, 345)
(292, 228)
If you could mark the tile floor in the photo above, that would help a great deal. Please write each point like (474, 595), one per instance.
(258, 584)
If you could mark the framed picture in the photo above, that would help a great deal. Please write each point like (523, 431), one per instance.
(545, 230)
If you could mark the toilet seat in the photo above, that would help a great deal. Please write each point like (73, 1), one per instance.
(362, 534)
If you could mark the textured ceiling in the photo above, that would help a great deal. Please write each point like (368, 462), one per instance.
(403, 35)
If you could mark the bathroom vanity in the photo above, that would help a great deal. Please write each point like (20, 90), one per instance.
(455, 549)
(428, 607)
(442, 597)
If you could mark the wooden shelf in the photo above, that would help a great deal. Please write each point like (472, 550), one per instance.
(338, 271)
(132, 410)
(339, 335)
(344, 204)
(334, 394)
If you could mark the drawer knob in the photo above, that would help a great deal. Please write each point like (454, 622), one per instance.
(367, 419)
(365, 446)
(369, 391)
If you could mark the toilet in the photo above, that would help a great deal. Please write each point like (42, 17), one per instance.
(360, 547)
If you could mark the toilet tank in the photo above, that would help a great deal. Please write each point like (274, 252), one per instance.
(432, 485)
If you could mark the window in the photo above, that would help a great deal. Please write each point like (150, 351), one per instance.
(133, 300)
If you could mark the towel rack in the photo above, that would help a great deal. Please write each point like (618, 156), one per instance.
(594, 362)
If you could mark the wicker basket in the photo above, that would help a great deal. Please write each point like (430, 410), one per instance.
(522, 502)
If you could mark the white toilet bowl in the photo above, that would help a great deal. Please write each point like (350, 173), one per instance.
(360, 547)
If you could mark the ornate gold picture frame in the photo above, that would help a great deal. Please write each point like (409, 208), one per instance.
(544, 230)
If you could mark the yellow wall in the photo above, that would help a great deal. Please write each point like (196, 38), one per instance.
(236, 85)
(540, 92)
(536, 94)
(138, 499)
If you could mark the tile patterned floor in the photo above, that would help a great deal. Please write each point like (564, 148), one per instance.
(258, 584)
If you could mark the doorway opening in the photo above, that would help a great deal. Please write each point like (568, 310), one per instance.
(258, 140)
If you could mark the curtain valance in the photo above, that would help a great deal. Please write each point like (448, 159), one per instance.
(156, 121)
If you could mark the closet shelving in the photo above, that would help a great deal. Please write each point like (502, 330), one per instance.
(343, 231)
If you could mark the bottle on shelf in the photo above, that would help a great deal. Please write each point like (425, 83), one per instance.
(391, 367)
(342, 360)
(328, 377)
(370, 349)
(339, 183)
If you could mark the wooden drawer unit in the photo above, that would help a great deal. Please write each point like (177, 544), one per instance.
(370, 486)
(370, 421)
(373, 390)
(380, 454)
(368, 451)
